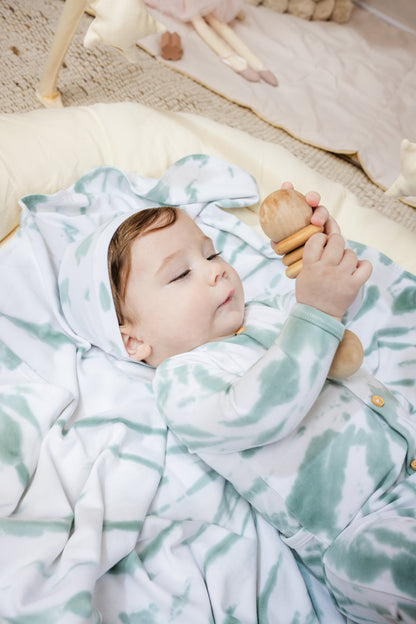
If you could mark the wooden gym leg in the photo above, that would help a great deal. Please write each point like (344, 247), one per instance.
(47, 91)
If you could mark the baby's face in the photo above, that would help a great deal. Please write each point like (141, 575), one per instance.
(180, 293)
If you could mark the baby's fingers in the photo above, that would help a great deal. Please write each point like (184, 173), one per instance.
(287, 185)
(349, 261)
(313, 198)
(362, 272)
(321, 217)
(314, 248)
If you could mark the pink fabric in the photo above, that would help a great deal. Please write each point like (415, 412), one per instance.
(185, 10)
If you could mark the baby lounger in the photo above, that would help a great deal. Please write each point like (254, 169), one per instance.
(105, 515)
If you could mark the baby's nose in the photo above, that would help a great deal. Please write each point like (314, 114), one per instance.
(216, 272)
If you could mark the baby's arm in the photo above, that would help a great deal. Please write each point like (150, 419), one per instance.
(216, 409)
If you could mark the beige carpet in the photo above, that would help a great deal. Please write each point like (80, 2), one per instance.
(104, 75)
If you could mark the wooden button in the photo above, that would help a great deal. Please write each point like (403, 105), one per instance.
(413, 464)
(377, 400)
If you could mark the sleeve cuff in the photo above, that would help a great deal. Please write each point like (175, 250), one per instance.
(318, 318)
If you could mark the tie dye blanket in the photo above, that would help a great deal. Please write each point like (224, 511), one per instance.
(105, 516)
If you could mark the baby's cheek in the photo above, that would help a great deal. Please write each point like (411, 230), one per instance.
(191, 312)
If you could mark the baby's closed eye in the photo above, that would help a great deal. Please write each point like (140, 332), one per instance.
(182, 275)
(214, 255)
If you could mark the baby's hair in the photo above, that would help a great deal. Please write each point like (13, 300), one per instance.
(119, 256)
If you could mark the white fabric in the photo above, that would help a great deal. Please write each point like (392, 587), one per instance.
(105, 516)
(120, 24)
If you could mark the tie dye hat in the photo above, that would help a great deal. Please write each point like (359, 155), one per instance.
(85, 291)
(193, 183)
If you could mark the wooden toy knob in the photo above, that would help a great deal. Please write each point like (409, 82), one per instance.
(348, 357)
(285, 217)
(283, 213)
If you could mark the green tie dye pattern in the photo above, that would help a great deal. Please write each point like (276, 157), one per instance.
(108, 516)
(325, 474)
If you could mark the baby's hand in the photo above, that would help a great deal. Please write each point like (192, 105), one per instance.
(321, 216)
(331, 276)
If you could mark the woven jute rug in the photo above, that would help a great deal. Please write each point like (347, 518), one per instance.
(104, 75)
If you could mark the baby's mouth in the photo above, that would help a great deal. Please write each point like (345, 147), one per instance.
(228, 299)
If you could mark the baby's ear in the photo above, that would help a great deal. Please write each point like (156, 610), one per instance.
(136, 348)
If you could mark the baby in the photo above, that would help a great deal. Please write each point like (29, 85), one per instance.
(328, 463)
(160, 260)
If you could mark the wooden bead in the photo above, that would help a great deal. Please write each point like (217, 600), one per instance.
(284, 212)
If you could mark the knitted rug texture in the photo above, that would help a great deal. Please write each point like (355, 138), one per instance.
(104, 75)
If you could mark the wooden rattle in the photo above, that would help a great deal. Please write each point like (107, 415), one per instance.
(285, 217)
